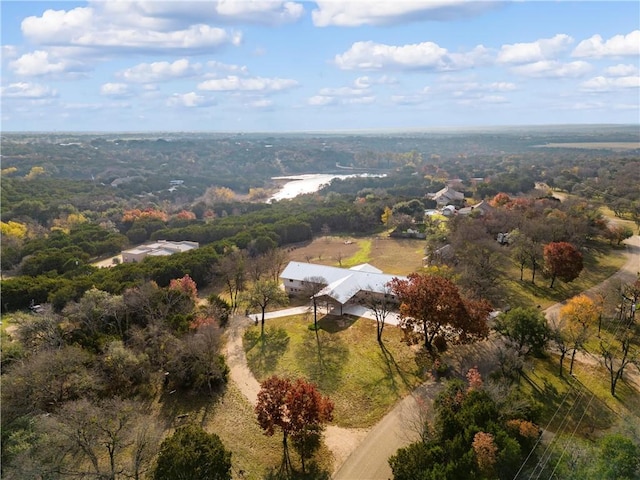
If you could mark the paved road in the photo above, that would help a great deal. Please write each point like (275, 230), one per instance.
(397, 429)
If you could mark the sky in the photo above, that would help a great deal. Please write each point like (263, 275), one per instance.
(350, 65)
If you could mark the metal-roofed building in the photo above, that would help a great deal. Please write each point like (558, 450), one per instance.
(342, 285)
(157, 249)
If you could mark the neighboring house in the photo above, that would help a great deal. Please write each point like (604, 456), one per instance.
(483, 208)
(446, 195)
(343, 285)
(156, 249)
(448, 211)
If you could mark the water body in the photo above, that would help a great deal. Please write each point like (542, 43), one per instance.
(307, 183)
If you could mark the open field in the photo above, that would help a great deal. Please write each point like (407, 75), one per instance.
(391, 255)
(615, 146)
(343, 358)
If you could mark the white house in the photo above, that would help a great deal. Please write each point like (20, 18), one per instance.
(342, 285)
(446, 195)
(156, 249)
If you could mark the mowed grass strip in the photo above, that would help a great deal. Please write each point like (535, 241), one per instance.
(343, 358)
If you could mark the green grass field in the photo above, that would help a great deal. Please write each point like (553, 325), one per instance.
(343, 358)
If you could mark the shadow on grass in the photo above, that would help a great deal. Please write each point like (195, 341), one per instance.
(392, 368)
(336, 323)
(263, 352)
(179, 407)
(314, 472)
(323, 357)
(574, 408)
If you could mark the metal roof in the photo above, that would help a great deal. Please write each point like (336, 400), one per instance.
(342, 283)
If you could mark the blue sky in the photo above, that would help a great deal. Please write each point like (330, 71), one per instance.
(262, 65)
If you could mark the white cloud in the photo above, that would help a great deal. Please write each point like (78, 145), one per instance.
(321, 100)
(227, 67)
(160, 71)
(252, 84)
(189, 100)
(542, 49)
(41, 62)
(604, 84)
(115, 90)
(91, 28)
(269, 12)
(359, 100)
(343, 92)
(553, 69)
(261, 103)
(9, 51)
(427, 55)
(618, 45)
(354, 13)
(367, 82)
(27, 90)
(621, 70)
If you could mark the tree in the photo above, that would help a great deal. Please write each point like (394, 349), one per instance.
(617, 359)
(562, 260)
(99, 436)
(618, 233)
(560, 338)
(381, 304)
(264, 293)
(486, 451)
(297, 409)
(312, 287)
(232, 270)
(193, 454)
(431, 306)
(618, 458)
(526, 329)
(579, 314)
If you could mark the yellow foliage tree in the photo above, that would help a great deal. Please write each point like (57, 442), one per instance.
(34, 172)
(8, 171)
(579, 314)
(386, 216)
(13, 229)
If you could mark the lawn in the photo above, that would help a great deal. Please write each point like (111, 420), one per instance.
(343, 358)
(581, 404)
(600, 262)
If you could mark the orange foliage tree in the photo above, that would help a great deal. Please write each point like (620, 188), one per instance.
(297, 409)
(562, 260)
(431, 306)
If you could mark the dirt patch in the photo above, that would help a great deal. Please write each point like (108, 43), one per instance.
(391, 255)
(342, 442)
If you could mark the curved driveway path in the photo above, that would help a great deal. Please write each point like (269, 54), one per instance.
(369, 459)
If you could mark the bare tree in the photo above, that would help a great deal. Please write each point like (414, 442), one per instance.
(312, 287)
(102, 435)
(232, 270)
(264, 293)
(617, 359)
(381, 304)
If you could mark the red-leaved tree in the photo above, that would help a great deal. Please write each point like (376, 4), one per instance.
(431, 305)
(562, 260)
(298, 409)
